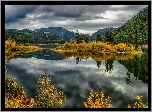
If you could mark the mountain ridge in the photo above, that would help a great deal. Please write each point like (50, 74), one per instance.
(135, 30)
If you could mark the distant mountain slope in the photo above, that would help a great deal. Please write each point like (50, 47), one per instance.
(43, 35)
(101, 32)
(59, 31)
(135, 30)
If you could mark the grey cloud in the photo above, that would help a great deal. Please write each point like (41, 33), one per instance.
(128, 7)
(67, 11)
(80, 10)
(45, 16)
(122, 16)
(78, 16)
(135, 7)
(15, 12)
(88, 25)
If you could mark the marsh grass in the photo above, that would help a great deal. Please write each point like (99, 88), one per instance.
(99, 51)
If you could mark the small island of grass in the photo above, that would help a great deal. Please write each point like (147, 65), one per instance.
(98, 49)
(11, 48)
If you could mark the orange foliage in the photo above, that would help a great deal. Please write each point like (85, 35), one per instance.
(138, 104)
(21, 101)
(96, 100)
(98, 51)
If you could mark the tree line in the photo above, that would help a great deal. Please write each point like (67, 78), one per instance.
(32, 37)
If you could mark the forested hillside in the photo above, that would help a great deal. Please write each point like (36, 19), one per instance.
(102, 33)
(135, 30)
(40, 36)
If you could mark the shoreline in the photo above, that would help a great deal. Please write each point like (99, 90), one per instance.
(50, 44)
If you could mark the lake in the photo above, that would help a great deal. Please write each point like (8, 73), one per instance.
(122, 79)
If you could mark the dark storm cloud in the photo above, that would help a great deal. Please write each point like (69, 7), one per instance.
(128, 7)
(69, 17)
(90, 26)
(77, 12)
(15, 12)
(69, 12)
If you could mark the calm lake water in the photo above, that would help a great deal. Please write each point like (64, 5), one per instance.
(126, 80)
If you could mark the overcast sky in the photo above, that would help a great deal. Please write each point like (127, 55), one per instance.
(86, 18)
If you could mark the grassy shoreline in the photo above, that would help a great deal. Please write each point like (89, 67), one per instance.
(95, 47)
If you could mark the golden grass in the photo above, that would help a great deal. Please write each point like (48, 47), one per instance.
(99, 50)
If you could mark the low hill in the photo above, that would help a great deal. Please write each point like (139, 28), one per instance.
(101, 32)
(135, 30)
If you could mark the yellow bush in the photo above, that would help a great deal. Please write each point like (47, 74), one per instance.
(11, 49)
(48, 96)
(96, 47)
(99, 50)
(124, 57)
(96, 100)
(11, 46)
(120, 47)
(138, 104)
(19, 102)
(9, 54)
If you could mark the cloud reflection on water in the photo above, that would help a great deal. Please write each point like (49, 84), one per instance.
(76, 80)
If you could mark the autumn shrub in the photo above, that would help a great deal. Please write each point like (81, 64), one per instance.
(138, 104)
(96, 100)
(130, 47)
(12, 49)
(12, 87)
(21, 101)
(15, 96)
(98, 46)
(67, 46)
(12, 46)
(124, 56)
(10, 54)
(48, 96)
(120, 47)
(31, 48)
